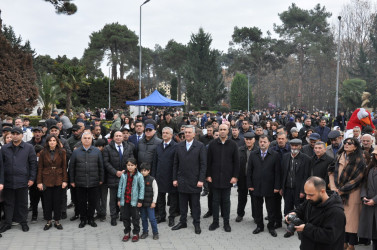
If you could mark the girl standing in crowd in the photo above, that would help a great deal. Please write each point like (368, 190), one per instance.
(345, 178)
(52, 178)
(131, 196)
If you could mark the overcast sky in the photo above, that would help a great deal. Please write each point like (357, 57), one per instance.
(162, 20)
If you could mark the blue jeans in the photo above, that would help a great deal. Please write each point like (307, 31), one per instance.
(147, 212)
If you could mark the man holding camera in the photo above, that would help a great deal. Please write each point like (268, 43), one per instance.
(320, 219)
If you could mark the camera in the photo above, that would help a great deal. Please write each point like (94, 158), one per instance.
(293, 221)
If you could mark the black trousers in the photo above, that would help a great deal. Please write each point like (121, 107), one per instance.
(87, 200)
(15, 205)
(270, 206)
(113, 202)
(278, 214)
(52, 202)
(210, 197)
(221, 196)
(102, 200)
(184, 199)
(64, 200)
(74, 199)
(291, 200)
(129, 212)
(35, 196)
(351, 238)
(243, 192)
(161, 204)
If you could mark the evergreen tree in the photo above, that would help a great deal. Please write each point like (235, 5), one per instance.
(205, 85)
(238, 93)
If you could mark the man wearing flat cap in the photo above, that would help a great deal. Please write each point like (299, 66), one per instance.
(336, 143)
(244, 154)
(309, 149)
(20, 170)
(147, 145)
(295, 171)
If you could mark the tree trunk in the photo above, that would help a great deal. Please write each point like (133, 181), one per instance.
(179, 88)
(46, 112)
(68, 100)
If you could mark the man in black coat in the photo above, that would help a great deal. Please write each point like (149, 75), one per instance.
(295, 170)
(147, 145)
(222, 171)
(115, 156)
(263, 179)
(320, 162)
(189, 171)
(139, 133)
(309, 148)
(244, 154)
(162, 170)
(20, 171)
(305, 128)
(323, 217)
(235, 136)
(86, 173)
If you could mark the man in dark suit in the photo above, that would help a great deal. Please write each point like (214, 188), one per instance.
(295, 171)
(263, 179)
(189, 171)
(139, 129)
(162, 171)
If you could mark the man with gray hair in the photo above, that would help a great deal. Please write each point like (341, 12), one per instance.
(86, 173)
(162, 170)
(367, 143)
(336, 143)
(189, 172)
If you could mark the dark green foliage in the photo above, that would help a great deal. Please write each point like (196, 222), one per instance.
(63, 6)
(351, 92)
(204, 82)
(238, 93)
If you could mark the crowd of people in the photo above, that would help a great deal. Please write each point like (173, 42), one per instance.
(156, 166)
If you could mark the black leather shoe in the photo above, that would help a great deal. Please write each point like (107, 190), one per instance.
(47, 226)
(159, 220)
(213, 226)
(4, 228)
(75, 217)
(92, 223)
(227, 228)
(239, 218)
(70, 205)
(82, 224)
(288, 234)
(25, 227)
(113, 221)
(197, 229)
(278, 225)
(258, 230)
(207, 215)
(179, 226)
(204, 193)
(171, 222)
(272, 232)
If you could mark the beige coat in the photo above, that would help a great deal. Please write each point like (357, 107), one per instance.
(352, 209)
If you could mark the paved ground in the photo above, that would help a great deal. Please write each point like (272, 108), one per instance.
(106, 236)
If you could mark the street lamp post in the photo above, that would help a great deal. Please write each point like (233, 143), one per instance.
(109, 89)
(140, 56)
(337, 72)
(248, 93)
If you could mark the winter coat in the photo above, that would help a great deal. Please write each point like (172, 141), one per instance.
(137, 192)
(324, 224)
(162, 167)
(308, 150)
(52, 172)
(264, 174)
(368, 214)
(146, 149)
(86, 167)
(318, 167)
(302, 167)
(242, 153)
(223, 162)
(20, 165)
(112, 162)
(116, 124)
(190, 166)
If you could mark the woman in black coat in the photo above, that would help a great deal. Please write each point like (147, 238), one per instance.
(368, 216)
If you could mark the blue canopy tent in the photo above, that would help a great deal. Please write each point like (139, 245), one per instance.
(155, 99)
